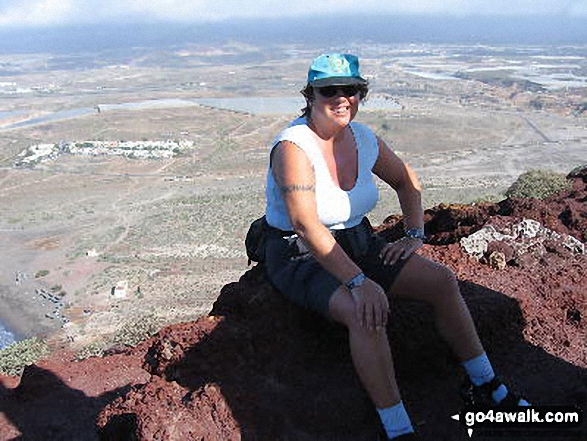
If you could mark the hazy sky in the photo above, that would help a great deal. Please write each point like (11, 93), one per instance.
(31, 13)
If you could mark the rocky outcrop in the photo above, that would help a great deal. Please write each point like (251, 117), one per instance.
(259, 368)
(517, 242)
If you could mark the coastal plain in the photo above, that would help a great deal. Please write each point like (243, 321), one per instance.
(468, 119)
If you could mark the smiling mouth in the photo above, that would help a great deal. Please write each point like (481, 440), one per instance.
(341, 110)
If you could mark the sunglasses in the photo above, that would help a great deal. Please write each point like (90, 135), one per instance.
(330, 91)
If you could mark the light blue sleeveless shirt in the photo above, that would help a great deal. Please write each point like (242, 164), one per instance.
(337, 208)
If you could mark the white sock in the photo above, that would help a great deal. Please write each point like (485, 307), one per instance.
(480, 372)
(395, 420)
(501, 392)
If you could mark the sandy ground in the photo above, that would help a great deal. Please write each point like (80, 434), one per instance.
(24, 310)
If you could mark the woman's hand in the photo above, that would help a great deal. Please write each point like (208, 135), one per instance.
(400, 249)
(372, 305)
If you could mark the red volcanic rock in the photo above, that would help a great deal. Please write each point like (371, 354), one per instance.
(163, 410)
(578, 174)
(260, 368)
(58, 399)
(565, 212)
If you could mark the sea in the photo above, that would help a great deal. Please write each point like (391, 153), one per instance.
(6, 337)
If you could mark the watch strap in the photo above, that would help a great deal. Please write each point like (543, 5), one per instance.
(415, 233)
(356, 281)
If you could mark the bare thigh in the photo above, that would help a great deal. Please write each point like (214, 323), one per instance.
(420, 279)
(425, 280)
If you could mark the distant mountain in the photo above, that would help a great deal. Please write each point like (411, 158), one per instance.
(323, 31)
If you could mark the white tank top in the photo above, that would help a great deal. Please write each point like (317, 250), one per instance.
(337, 208)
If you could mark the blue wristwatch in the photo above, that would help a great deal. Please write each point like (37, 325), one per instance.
(415, 233)
(355, 281)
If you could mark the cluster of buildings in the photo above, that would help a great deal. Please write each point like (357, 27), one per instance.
(37, 153)
(12, 88)
(131, 149)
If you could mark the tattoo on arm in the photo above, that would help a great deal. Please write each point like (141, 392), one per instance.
(297, 187)
(277, 167)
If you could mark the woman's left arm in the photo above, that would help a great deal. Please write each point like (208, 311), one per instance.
(392, 170)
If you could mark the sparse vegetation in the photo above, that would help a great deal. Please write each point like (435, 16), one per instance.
(94, 349)
(135, 331)
(538, 184)
(15, 357)
(491, 198)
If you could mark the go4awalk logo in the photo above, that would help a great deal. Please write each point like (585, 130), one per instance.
(537, 420)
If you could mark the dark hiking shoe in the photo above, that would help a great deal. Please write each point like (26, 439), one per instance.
(482, 396)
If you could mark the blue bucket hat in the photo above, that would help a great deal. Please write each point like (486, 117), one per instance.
(335, 70)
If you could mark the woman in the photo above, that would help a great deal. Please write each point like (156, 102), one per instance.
(322, 253)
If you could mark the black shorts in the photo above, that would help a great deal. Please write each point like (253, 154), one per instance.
(293, 270)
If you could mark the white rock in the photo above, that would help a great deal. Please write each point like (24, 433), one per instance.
(476, 244)
(575, 245)
(526, 229)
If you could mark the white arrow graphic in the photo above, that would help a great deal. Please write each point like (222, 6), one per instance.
(457, 418)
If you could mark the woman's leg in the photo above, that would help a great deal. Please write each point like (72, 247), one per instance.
(425, 280)
(435, 284)
(370, 352)
(373, 363)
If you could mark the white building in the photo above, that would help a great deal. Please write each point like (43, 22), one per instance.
(120, 290)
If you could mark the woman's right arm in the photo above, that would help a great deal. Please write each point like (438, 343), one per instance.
(296, 180)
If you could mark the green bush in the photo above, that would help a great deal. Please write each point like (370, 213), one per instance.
(489, 198)
(41, 273)
(15, 357)
(135, 331)
(94, 349)
(538, 184)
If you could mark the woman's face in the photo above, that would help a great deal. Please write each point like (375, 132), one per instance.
(335, 105)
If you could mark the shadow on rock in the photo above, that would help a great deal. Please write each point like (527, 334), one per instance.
(260, 368)
(42, 407)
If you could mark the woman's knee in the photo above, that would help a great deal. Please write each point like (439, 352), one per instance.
(341, 308)
(447, 278)
(447, 293)
(426, 280)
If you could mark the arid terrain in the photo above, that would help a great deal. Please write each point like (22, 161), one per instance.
(260, 368)
(468, 119)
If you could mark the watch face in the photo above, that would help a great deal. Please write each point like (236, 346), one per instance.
(360, 279)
